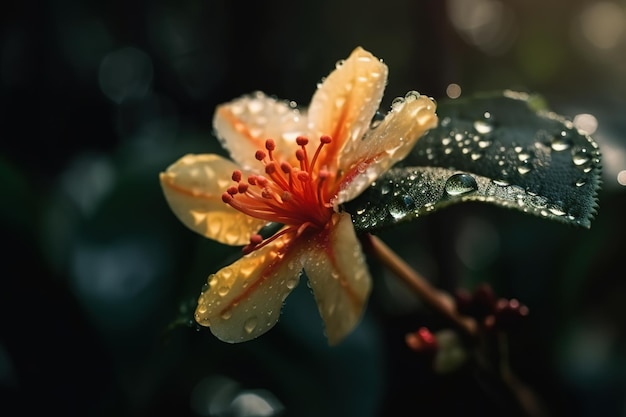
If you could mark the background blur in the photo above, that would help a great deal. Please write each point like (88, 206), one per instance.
(96, 98)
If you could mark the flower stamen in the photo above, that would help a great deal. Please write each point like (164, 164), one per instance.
(294, 196)
(257, 241)
(324, 140)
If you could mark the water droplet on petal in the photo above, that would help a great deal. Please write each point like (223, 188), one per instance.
(377, 120)
(412, 95)
(459, 184)
(250, 324)
(226, 314)
(203, 321)
(397, 103)
(330, 309)
(223, 291)
(226, 273)
(392, 148)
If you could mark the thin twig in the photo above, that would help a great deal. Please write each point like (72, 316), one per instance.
(434, 298)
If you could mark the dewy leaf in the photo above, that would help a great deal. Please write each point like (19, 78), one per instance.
(505, 149)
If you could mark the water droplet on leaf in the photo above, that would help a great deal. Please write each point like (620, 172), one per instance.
(580, 157)
(561, 142)
(556, 209)
(525, 167)
(397, 212)
(483, 127)
(459, 184)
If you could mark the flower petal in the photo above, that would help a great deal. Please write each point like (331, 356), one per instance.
(193, 187)
(244, 300)
(338, 275)
(387, 144)
(345, 103)
(244, 124)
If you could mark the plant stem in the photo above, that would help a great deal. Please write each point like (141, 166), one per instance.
(437, 300)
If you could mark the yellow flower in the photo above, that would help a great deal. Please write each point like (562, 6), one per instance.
(296, 168)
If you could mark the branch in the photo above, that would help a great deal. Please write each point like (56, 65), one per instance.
(431, 296)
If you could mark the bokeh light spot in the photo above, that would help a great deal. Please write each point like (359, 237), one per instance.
(586, 122)
(453, 90)
(125, 74)
(490, 25)
(88, 180)
(478, 243)
(213, 395)
(116, 272)
(603, 24)
(256, 403)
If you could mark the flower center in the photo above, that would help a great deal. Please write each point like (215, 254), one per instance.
(292, 195)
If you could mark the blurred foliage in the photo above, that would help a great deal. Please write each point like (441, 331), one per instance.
(96, 98)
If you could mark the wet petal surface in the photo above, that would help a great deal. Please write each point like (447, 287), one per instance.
(244, 124)
(338, 275)
(347, 100)
(410, 117)
(193, 187)
(244, 299)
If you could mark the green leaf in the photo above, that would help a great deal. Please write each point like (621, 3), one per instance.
(505, 149)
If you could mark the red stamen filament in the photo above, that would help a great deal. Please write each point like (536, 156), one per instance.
(294, 196)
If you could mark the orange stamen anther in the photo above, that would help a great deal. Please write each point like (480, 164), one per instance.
(296, 196)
